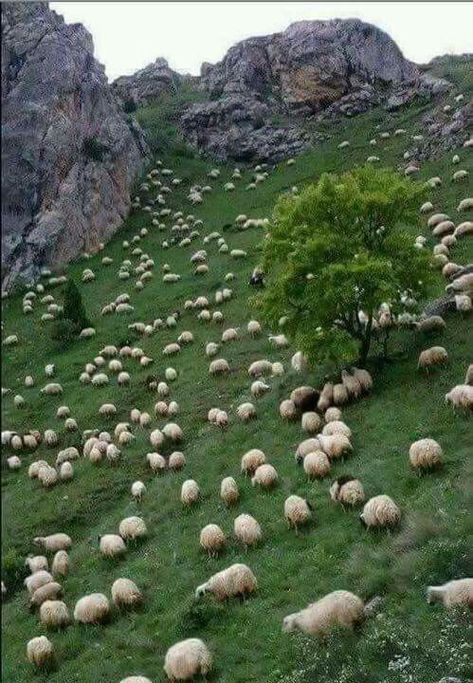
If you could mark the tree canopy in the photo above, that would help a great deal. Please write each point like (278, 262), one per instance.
(338, 251)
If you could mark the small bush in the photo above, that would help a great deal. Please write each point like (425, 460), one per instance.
(74, 309)
(64, 331)
(129, 106)
(13, 570)
(94, 149)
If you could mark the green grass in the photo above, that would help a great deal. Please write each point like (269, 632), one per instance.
(434, 541)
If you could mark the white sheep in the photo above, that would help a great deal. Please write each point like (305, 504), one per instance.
(229, 492)
(247, 530)
(235, 581)
(125, 593)
(156, 462)
(54, 614)
(111, 545)
(297, 511)
(212, 539)
(347, 490)
(40, 652)
(311, 422)
(425, 454)
(265, 476)
(54, 542)
(436, 355)
(246, 411)
(187, 659)
(60, 564)
(138, 489)
(132, 528)
(190, 492)
(380, 511)
(316, 464)
(92, 609)
(453, 593)
(461, 396)
(338, 609)
(219, 367)
(176, 461)
(251, 460)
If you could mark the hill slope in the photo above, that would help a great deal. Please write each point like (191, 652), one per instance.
(435, 539)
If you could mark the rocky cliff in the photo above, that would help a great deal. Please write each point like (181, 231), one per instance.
(147, 84)
(318, 69)
(69, 153)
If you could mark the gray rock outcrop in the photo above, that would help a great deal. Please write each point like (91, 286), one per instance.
(69, 153)
(147, 84)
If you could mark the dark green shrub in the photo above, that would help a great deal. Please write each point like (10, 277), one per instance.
(94, 149)
(64, 331)
(13, 570)
(74, 307)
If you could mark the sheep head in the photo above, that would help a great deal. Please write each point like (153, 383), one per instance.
(289, 623)
(200, 591)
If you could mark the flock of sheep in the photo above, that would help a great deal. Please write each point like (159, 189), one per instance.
(319, 412)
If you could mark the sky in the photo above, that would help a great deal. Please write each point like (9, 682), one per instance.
(130, 35)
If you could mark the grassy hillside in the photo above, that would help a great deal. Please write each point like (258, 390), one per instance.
(410, 640)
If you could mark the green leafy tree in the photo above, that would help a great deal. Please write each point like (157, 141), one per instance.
(74, 309)
(335, 253)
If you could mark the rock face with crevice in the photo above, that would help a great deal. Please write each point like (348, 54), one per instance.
(69, 152)
(264, 89)
(148, 84)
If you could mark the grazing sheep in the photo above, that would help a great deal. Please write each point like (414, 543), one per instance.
(187, 659)
(453, 593)
(219, 367)
(229, 492)
(236, 580)
(156, 462)
(335, 446)
(277, 369)
(251, 460)
(425, 454)
(351, 384)
(138, 489)
(246, 411)
(469, 375)
(40, 652)
(14, 462)
(220, 418)
(311, 422)
(247, 530)
(176, 461)
(50, 591)
(63, 412)
(125, 593)
(190, 492)
(259, 388)
(113, 453)
(433, 323)
(54, 542)
(316, 465)
(338, 609)
(173, 432)
(54, 614)
(36, 580)
(132, 528)
(254, 328)
(288, 410)
(135, 679)
(259, 368)
(99, 380)
(36, 563)
(305, 447)
(347, 490)
(66, 471)
(380, 511)
(326, 397)
(163, 389)
(463, 303)
(145, 420)
(336, 427)
(107, 410)
(156, 438)
(212, 539)
(436, 355)
(461, 396)
(340, 394)
(111, 545)
(92, 609)
(297, 511)
(265, 476)
(51, 389)
(60, 565)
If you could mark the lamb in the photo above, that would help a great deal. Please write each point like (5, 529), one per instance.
(338, 609)
(132, 528)
(176, 461)
(425, 454)
(125, 593)
(138, 489)
(40, 652)
(251, 460)
(247, 530)
(156, 462)
(453, 593)
(347, 490)
(111, 545)
(219, 367)
(212, 539)
(229, 492)
(50, 591)
(190, 492)
(316, 465)
(311, 422)
(92, 609)
(288, 410)
(436, 355)
(236, 580)
(246, 411)
(187, 659)
(380, 511)
(54, 614)
(60, 565)
(297, 511)
(36, 580)
(54, 542)
(461, 396)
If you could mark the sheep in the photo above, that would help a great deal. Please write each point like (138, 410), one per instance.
(36, 580)
(432, 323)
(220, 418)
(288, 410)
(161, 409)
(465, 204)
(351, 384)
(70, 425)
(171, 349)
(176, 460)
(461, 396)
(229, 492)
(463, 283)
(187, 659)
(163, 389)
(297, 511)
(338, 609)
(145, 420)
(236, 580)
(340, 394)
(251, 460)
(50, 591)
(51, 389)
(246, 411)
(138, 489)
(277, 369)
(36, 563)
(258, 388)
(230, 335)
(347, 490)
(156, 438)
(63, 412)
(50, 438)
(135, 679)
(326, 397)
(305, 447)
(211, 349)
(99, 380)
(10, 340)
(92, 609)
(60, 564)
(247, 530)
(219, 367)
(29, 381)
(54, 542)
(111, 545)
(107, 410)
(212, 539)
(335, 445)
(259, 368)
(380, 511)
(40, 652)
(132, 528)
(425, 454)
(125, 593)
(173, 432)
(316, 465)
(311, 422)
(437, 218)
(190, 492)
(453, 593)
(469, 375)
(436, 355)
(18, 401)
(156, 462)
(460, 175)
(14, 462)
(463, 303)
(54, 614)
(336, 427)
(66, 471)
(254, 328)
